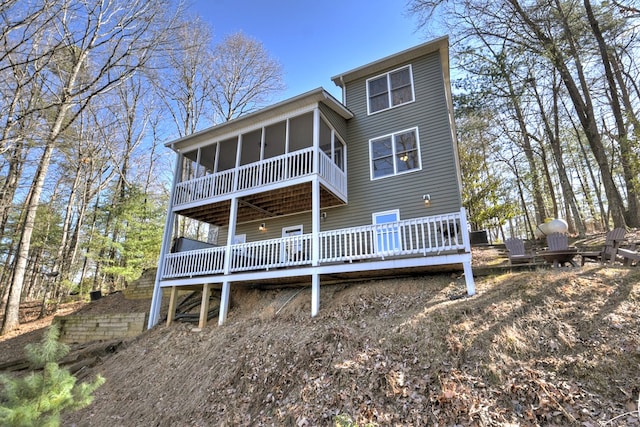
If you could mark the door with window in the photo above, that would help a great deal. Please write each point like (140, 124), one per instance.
(388, 233)
(292, 250)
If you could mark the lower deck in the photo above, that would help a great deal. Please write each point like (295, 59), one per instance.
(418, 245)
(304, 277)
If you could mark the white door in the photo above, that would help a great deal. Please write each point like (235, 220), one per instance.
(292, 250)
(387, 236)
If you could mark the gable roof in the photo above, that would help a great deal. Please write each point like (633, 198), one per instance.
(440, 44)
(275, 110)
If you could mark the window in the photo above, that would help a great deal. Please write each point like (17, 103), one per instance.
(239, 239)
(390, 90)
(395, 154)
(387, 236)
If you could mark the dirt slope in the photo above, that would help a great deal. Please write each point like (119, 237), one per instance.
(532, 348)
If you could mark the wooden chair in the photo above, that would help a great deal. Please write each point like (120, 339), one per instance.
(608, 252)
(558, 252)
(629, 257)
(516, 251)
(557, 242)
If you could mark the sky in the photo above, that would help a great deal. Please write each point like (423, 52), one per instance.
(316, 40)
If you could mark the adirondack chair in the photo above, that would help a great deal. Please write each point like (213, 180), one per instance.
(629, 257)
(558, 251)
(557, 242)
(516, 251)
(608, 252)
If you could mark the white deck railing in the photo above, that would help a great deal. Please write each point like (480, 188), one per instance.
(332, 174)
(259, 174)
(412, 237)
(200, 262)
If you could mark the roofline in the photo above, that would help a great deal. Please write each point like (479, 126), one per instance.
(440, 44)
(307, 98)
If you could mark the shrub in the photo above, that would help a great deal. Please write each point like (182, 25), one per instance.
(40, 397)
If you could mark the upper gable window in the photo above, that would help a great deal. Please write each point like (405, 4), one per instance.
(395, 154)
(390, 90)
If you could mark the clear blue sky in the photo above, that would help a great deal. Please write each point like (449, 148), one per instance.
(315, 40)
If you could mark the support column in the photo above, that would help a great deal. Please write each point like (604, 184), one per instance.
(315, 215)
(224, 303)
(315, 294)
(231, 231)
(468, 272)
(315, 191)
(468, 278)
(171, 314)
(204, 306)
(156, 301)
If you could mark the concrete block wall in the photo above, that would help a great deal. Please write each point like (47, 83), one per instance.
(141, 288)
(85, 328)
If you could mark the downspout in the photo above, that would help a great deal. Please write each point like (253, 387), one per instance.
(344, 91)
(156, 301)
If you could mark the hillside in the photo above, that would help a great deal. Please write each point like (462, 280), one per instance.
(532, 348)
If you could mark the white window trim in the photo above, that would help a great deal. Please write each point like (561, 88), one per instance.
(387, 74)
(393, 153)
(377, 214)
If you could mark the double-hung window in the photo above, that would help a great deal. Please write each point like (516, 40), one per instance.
(395, 154)
(390, 90)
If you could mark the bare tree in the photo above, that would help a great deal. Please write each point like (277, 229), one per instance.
(102, 44)
(583, 46)
(184, 84)
(245, 77)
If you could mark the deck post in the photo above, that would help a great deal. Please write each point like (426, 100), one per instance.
(233, 216)
(315, 294)
(156, 300)
(171, 314)
(468, 278)
(315, 191)
(468, 272)
(204, 305)
(224, 303)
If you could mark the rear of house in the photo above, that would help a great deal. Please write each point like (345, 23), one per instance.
(313, 188)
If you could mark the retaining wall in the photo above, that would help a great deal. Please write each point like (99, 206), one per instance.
(85, 328)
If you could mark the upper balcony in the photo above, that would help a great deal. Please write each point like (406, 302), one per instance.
(267, 163)
(266, 175)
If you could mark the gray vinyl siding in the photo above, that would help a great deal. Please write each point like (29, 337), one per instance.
(438, 176)
(274, 228)
(338, 123)
(334, 220)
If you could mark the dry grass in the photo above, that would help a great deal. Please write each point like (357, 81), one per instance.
(532, 348)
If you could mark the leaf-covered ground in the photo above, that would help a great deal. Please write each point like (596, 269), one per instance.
(545, 347)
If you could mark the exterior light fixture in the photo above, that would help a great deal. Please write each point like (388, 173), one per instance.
(323, 215)
(426, 198)
(262, 227)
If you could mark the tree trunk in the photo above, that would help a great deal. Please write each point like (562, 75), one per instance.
(583, 108)
(11, 318)
(629, 160)
(553, 135)
(538, 199)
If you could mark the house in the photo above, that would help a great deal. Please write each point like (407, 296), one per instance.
(313, 188)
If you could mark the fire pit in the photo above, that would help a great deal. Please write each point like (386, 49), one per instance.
(561, 257)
